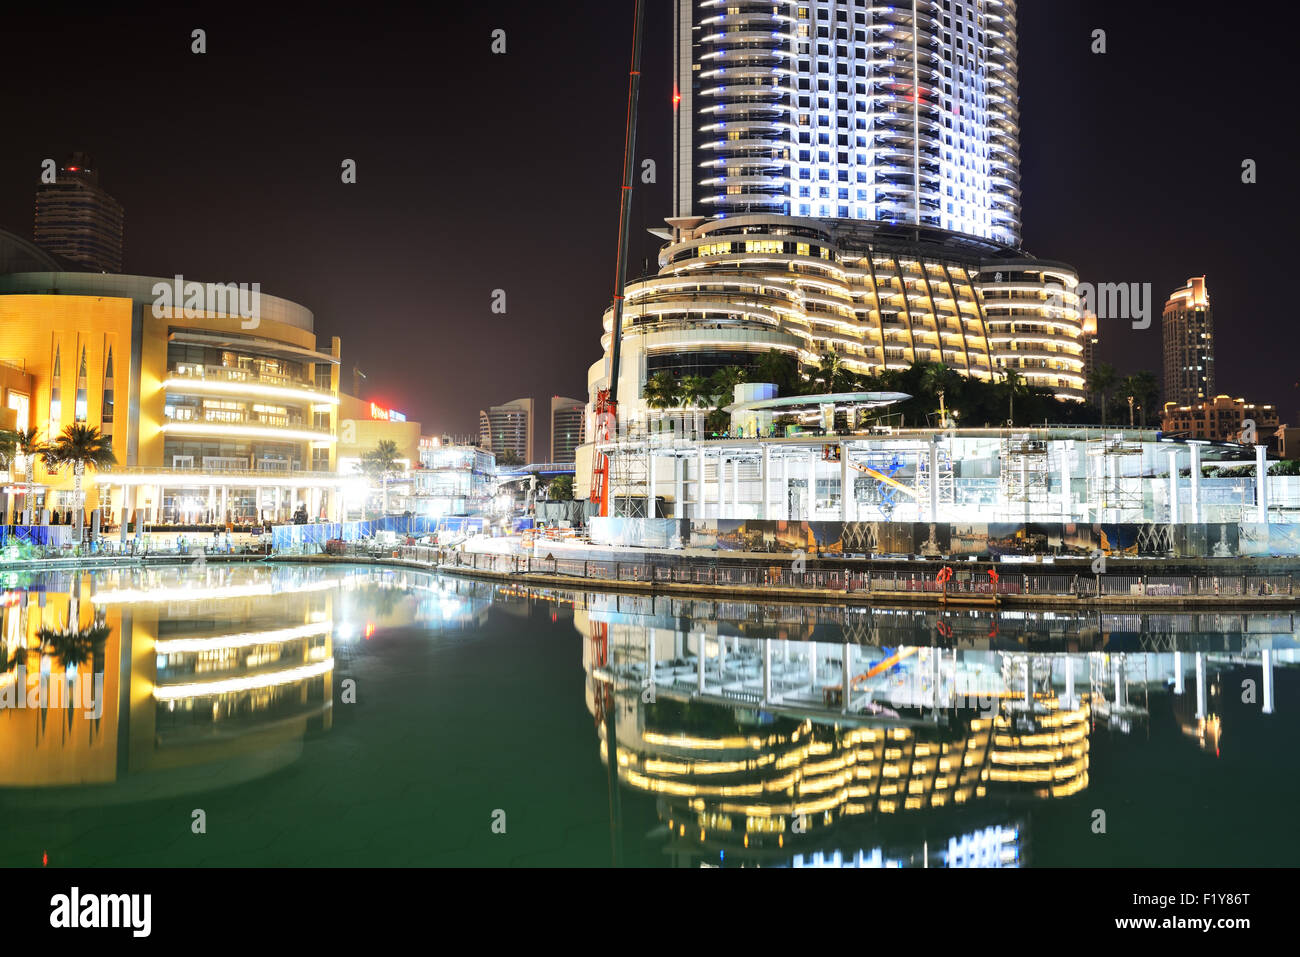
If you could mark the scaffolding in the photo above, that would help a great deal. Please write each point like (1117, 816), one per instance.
(1025, 475)
(629, 476)
(943, 475)
(1114, 489)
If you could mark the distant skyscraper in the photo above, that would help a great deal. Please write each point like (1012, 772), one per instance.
(508, 428)
(850, 109)
(1090, 343)
(77, 220)
(566, 427)
(1188, 332)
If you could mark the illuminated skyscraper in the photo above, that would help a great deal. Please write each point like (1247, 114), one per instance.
(508, 428)
(566, 428)
(78, 220)
(850, 109)
(1188, 331)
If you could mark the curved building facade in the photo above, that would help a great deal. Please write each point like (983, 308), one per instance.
(880, 297)
(901, 113)
(216, 400)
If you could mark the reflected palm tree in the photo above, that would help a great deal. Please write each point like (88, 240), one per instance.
(74, 647)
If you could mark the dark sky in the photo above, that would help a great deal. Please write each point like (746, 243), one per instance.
(479, 172)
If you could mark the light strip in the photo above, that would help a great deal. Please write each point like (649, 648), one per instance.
(228, 387)
(182, 477)
(253, 431)
(230, 685)
(130, 596)
(180, 645)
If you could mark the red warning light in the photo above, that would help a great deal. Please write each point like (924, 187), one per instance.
(677, 98)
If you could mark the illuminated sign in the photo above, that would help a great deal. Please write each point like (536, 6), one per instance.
(386, 415)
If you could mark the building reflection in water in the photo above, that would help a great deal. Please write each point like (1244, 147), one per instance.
(735, 717)
(214, 673)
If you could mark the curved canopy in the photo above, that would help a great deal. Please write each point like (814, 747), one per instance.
(810, 402)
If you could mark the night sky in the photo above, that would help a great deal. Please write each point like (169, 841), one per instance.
(478, 172)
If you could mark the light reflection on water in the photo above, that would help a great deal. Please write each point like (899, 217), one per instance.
(966, 738)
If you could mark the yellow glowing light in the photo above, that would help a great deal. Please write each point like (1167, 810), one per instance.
(187, 384)
(252, 431)
(173, 646)
(232, 685)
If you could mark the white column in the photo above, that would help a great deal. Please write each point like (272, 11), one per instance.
(812, 485)
(1178, 673)
(1067, 500)
(1268, 680)
(846, 490)
(650, 485)
(1200, 684)
(735, 488)
(1196, 481)
(846, 671)
(703, 639)
(765, 471)
(783, 499)
(679, 486)
(1069, 681)
(1173, 486)
(699, 485)
(722, 483)
(1261, 484)
(934, 481)
(767, 670)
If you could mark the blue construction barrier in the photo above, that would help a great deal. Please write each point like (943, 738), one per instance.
(311, 539)
(47, 536)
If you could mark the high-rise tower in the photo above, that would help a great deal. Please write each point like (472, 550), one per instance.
(1187, 328)
(902, 112)
(78, 220)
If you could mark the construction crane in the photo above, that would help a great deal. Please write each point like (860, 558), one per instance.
(607, 399)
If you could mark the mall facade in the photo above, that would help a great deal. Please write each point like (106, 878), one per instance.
(218, 402)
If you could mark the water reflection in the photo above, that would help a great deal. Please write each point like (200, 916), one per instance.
(735, 717)
(199, 675)
(726, 733)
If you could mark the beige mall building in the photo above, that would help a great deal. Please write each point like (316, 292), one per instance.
(220, 409)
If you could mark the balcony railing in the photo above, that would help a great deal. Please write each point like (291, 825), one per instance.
(215, 422)
(228, 375)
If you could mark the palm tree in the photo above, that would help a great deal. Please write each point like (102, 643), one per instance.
(1101, 381)
(1145, 389)
(779, 369)
(28, 446)
(8, 448)
(831, 375)
(380, 463)
(79, 447)
(723, 382)
(696, 394)
(661, 391)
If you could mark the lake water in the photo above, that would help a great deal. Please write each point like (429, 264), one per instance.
(353, 715)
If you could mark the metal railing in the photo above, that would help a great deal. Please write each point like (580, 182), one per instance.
(855, 581)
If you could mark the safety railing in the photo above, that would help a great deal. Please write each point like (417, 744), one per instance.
(856, 581)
